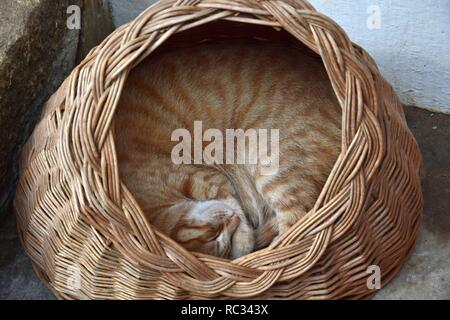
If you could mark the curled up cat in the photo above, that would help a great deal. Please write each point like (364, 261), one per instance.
(221, 209)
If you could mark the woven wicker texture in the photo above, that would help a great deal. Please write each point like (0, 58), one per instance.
(88, 238)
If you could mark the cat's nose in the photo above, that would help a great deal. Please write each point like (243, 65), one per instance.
(235, 218)
(233, 222)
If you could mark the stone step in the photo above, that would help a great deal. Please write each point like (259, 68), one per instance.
(37, 52)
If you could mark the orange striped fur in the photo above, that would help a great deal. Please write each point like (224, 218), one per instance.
(227, 210)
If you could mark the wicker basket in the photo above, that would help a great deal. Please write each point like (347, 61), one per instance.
(88, 238)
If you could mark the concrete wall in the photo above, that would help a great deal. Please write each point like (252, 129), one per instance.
(411, 44)
(410, 40)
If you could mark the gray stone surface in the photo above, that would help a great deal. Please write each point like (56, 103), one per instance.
(97, 25)
(17, 278)
(425, 276)
(37, 52)
(126, 10)
(32, 36)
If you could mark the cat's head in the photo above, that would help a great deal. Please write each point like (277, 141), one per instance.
(214, 228)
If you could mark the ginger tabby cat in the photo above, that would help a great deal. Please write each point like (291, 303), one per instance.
(227, 210)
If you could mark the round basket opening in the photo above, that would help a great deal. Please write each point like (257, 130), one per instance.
(226, 135)
(73, 201)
